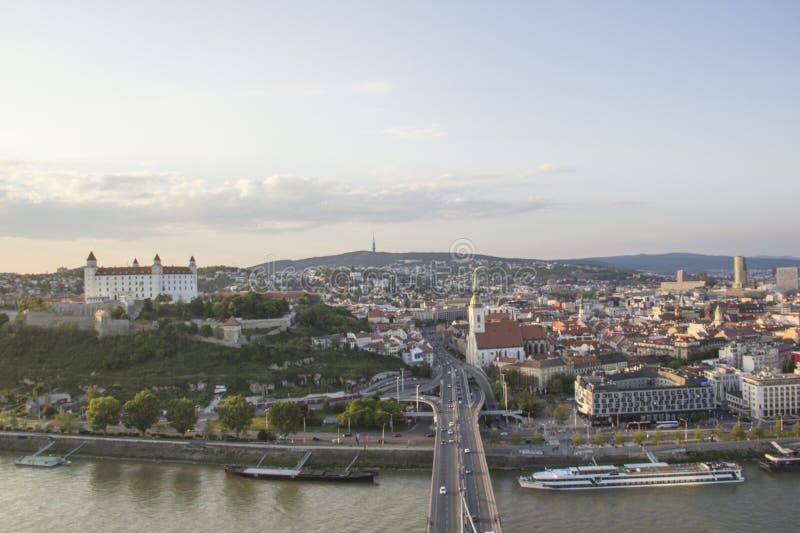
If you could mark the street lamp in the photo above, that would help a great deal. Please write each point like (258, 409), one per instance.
(685, 429)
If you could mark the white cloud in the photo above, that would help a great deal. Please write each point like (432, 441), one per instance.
(373, 87)
(40, 202)
(416, 133)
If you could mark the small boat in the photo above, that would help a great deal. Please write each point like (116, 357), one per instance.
(787, 461)
(299, 474)
(45, 461)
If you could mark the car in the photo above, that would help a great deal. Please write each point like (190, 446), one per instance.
(504, 433)
(475, 518)
(430, 434)
(466, 450)
(449, 431)
(442, 490)
(348, 434)
(315, 438)
(451, 441)
(467, 472)
(444, 442)
(397, 435)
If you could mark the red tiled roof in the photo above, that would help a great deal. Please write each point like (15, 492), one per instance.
(533, 332)
(177, 270)
(502, 334)
(231, 322)
(123, 271)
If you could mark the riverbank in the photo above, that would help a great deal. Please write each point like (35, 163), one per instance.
(392, 457)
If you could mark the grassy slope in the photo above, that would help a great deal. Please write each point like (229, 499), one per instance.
(66, 359)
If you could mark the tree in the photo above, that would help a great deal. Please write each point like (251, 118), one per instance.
(494, 436)
(182, 415)
(515, 438)
(142, 411)
(598, 439)
(91, 392)
(638, 437)
(796, 429)
(679, 436)
(236, 414)
(206, 331)
(528, 403)
(757, 431)
(619, 438)
(718, 431)
(658, 436)
(66, 422)
(537, 438)
(777, 429)
(561, 413)
(577, 438)
(118, 313)
(698, 434)
(3, 319)
(286, 417)
(102, 411)
(737, 433)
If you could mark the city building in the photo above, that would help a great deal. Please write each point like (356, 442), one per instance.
(643, 393)
(138, 282)
(767, 396)
(787, 279)
(681, 283)
(739, 272)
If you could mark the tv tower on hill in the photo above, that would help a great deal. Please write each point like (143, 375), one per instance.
(373, 242)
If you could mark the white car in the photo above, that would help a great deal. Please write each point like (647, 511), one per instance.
(466, 450)
(442, 490)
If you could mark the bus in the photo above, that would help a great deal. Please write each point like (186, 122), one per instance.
(643, 424)
(667, 424)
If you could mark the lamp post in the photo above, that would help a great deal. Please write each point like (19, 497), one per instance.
(685, 429)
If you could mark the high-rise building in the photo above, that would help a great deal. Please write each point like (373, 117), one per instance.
(788, 278)
(739, 272)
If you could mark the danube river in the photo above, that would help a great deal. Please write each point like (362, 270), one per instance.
(108, 495)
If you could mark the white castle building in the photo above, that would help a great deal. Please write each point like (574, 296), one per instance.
(138, 282)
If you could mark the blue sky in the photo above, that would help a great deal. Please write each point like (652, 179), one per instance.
(239, 131)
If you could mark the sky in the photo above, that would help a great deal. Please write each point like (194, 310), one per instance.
(242, 131)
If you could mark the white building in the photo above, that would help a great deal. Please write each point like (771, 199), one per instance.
(138, 282)
(767, 396)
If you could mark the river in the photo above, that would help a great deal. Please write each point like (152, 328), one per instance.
(109, 495)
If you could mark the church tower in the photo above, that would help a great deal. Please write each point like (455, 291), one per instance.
(477, 322)
(717, 316)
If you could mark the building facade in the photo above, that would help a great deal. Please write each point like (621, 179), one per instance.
(647, 393)
(787, 279)
(767, 397)
(138, 282)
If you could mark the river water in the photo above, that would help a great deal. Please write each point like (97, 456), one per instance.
(108, 495)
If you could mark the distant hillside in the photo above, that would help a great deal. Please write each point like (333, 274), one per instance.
(693, 263)
(372, 259)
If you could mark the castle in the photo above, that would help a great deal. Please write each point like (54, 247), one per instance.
(138, 282)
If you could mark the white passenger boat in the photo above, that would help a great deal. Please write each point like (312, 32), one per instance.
(652, 474)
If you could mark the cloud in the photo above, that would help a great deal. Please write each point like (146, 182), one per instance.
(415, 133)
(373, 87)
(40, 202)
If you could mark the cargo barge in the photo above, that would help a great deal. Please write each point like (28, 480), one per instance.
(346, 475)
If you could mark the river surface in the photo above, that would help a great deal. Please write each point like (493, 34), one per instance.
(109, 495)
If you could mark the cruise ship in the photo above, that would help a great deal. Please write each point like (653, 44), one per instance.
(652, 474)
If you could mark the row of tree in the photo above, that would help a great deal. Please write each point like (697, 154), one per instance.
(245, 305)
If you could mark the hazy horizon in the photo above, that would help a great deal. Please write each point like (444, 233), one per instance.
(537, 130)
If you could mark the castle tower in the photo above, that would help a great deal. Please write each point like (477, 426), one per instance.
(135, 262)
(739, 272)
(158, 271)
(89, 290)
(193, 265)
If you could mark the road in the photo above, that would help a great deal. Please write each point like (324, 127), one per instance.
(462, 498)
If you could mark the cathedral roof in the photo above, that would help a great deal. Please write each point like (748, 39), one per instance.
(501, 334)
